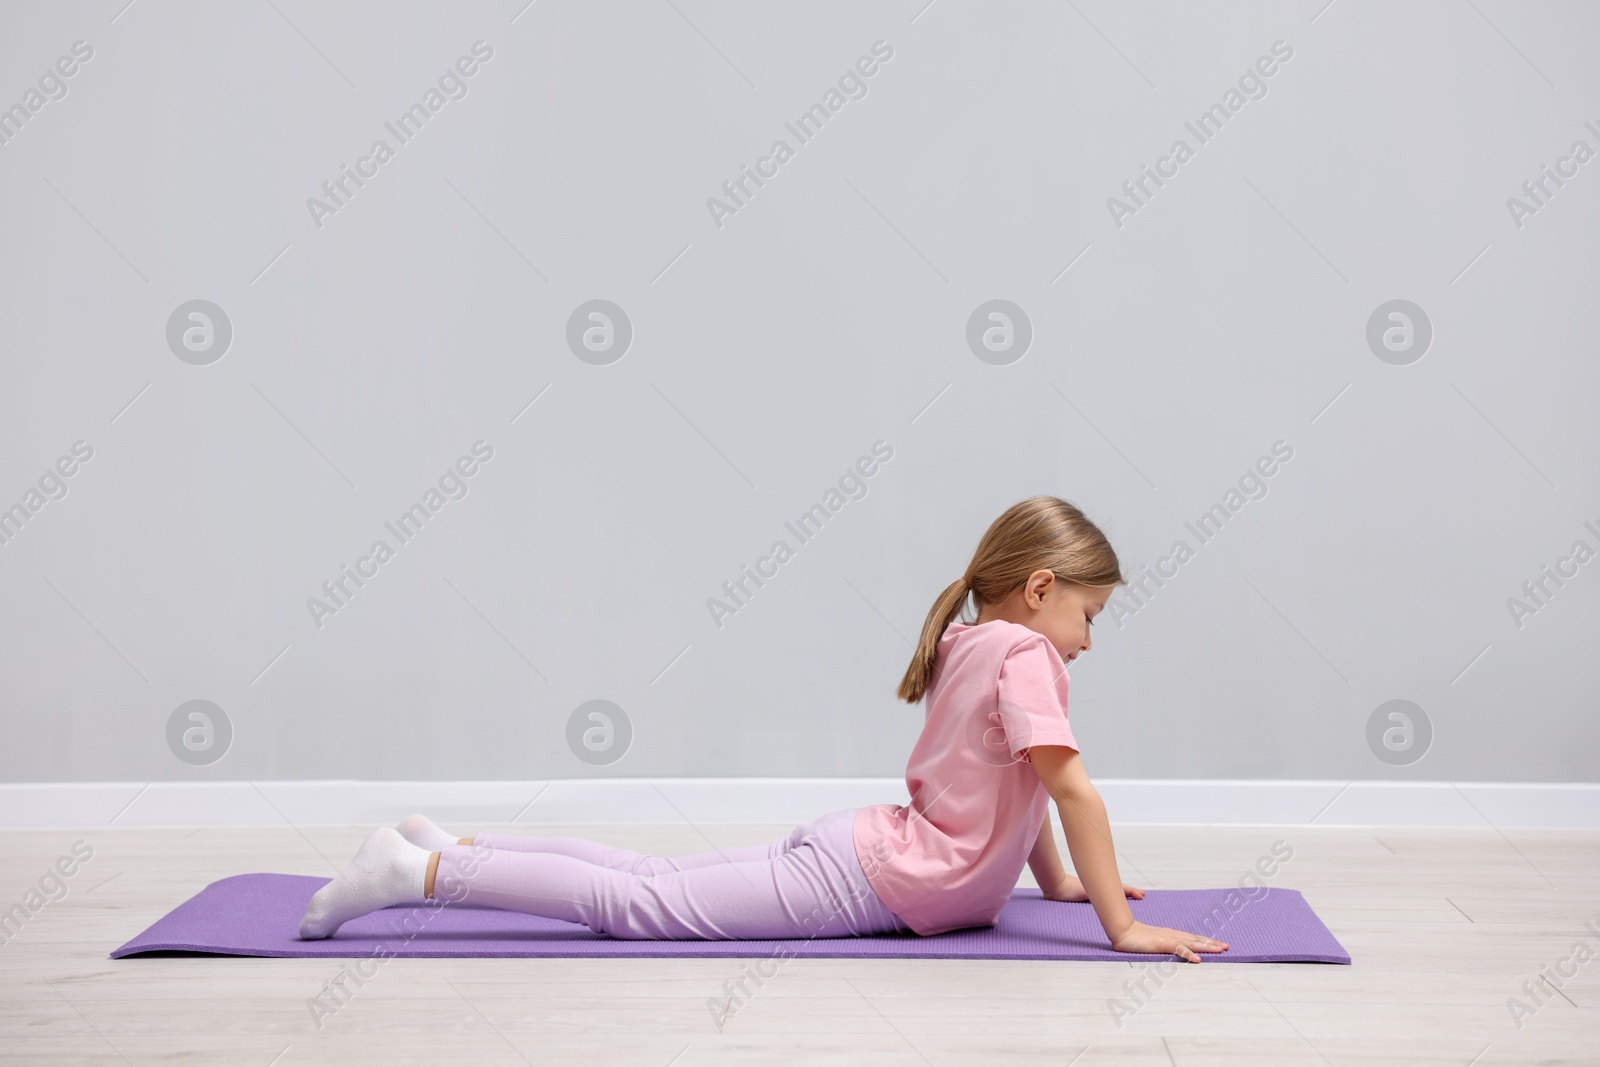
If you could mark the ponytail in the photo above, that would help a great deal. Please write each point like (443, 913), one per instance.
(920, 673)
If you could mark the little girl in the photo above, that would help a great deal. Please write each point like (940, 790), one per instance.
(995, 749)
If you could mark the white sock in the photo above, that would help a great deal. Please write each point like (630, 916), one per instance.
(421, 831)
(387, 870)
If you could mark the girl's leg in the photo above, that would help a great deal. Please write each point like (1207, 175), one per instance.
(801, 893)
(389, 870)
(420, 831)
(813, 887)
(621, 859)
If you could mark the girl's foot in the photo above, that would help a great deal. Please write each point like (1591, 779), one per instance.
(387, 869)
(421, 831)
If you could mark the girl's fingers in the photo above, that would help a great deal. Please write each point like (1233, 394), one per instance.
(1188, 954)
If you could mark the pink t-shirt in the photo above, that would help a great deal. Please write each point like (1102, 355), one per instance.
(951, 858)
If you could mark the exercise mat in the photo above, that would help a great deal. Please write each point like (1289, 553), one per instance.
(259, 915)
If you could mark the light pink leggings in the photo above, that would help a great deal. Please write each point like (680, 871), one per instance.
(806, 884)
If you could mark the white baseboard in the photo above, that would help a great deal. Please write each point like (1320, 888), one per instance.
(775, 801)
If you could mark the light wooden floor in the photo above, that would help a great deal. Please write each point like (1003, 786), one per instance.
(1443, 926)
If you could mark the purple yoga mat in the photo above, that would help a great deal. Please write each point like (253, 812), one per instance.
(259, 914)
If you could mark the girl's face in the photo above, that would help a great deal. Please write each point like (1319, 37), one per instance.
(1059, 610)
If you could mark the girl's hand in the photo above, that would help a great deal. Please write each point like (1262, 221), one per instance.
(1142, 938)
(1071, 891)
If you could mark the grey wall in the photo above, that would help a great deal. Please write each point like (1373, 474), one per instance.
(1172, 347)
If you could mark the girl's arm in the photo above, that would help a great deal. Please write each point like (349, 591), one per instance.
(1054, 881)
(1088, 833)
(1045, 863)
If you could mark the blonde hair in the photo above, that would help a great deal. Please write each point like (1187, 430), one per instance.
(1039, 533)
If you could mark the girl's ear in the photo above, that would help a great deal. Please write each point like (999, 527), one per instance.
(1039, 583)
